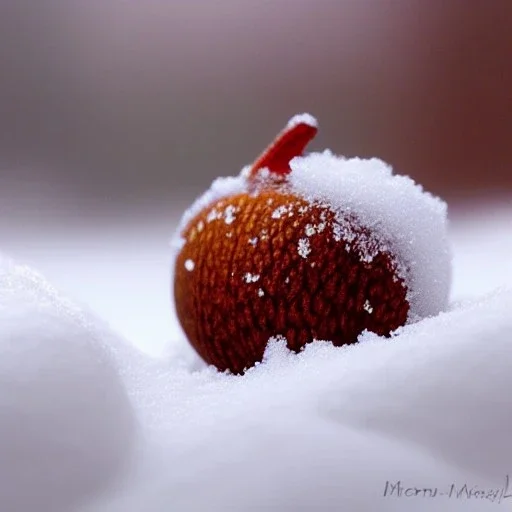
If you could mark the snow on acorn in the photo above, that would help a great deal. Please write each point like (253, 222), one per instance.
(353, 234)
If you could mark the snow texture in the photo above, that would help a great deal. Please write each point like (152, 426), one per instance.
(400, 216)
(220, 188)
(409, 221)
(302, 118)
(67, 427)
(326, 429)
(83, 415)
(304, 248)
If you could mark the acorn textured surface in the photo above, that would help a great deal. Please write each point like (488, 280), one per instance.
(274, 252)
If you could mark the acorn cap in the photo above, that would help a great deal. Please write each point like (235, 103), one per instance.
(312, 247)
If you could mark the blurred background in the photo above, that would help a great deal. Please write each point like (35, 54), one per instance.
(115, 114)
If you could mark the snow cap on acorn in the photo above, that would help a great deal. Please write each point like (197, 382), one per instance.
(307, 247)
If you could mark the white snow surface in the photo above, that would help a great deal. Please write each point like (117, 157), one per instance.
(326, 429)
(67, 425)
(88, 423)
(302, 118)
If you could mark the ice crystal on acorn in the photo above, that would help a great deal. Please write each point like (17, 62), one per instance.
(307, 247)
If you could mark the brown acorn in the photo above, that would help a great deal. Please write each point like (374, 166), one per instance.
(266, 262)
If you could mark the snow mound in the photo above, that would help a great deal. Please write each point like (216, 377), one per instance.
(401, 217)
(66, 423)
(410, 220)
(338, 428)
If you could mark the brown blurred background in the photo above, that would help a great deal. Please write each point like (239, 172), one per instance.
(119, 107)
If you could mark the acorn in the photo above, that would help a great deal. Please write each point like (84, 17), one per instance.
(307, 247)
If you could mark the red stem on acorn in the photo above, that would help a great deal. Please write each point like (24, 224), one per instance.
(287, 145)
